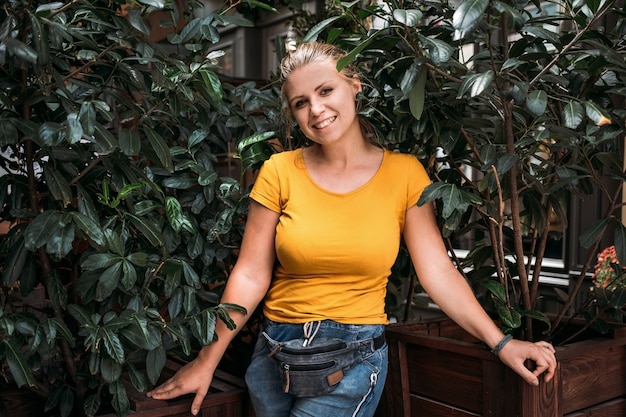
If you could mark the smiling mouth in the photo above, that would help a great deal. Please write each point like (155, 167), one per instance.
(325, 123)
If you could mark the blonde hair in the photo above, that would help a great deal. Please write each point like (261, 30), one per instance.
(318, 52)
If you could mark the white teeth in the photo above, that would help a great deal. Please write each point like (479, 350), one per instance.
(325, 123)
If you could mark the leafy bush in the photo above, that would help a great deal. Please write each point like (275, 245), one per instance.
(121, 226)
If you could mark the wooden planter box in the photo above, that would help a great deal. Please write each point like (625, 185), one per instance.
(438, 370)
(227, 397)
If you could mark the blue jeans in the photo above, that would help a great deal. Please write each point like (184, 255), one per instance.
(357, 395)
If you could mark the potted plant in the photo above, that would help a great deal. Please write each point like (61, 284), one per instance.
(517, 111)
(118, 227)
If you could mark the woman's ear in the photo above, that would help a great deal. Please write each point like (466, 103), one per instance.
(356, 85)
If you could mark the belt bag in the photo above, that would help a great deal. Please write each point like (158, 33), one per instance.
(316, 369)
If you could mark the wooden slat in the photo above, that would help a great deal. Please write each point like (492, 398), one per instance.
(446, 377)
(425, 407)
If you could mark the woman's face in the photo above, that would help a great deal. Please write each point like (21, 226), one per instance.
(323, 102)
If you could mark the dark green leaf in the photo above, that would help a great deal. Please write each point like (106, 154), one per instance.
(39, 231)
(120, 399)
(408, 17)
(137, 378)
(56, 290)
(15, 261)
(536, 102)
(130, 143)
(115, 350)
(573, 114)
(593, 233)
(20, 370)
(496, 288)
(100, 260)
(91, 405)
(314, 32)
(467, 16)
(155, 362)
(160, 147)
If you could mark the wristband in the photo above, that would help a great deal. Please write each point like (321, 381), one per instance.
(506, 339)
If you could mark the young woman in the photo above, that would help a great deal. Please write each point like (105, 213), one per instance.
(322, 234)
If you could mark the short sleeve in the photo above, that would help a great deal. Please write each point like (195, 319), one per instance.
(418, 180)
(266, 188)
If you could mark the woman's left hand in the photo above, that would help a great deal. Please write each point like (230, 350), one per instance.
(515, 354)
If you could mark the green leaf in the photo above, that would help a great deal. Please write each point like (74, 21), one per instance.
(261, 5)
(191, 276)
(130, 143)
(351, 56)
(89, 227)
(99, 260)
(538, 315)
(15, 261)
(20, 370)
(56, 290)
(137, 21)
(573, 114)
(196, 137)
(44, 226)
(129, 275)
(113, 347)
(175, 304)
(21, 50)
(110, 370)
(495, 288)
(62, 329)
(314, 32)
(439, 51)
(137, 378)
(509, 317)
(108, 281)
(417, 96)
(593, 233)
(536, 102)
(57, 185)
(66, 405)
(253, 139)
(149, 230)
(596, 114)
(105, 142)
(408, 17)
(505, 163)
(155, 362)
(208, 324)
(160, 148)
(213, 85)
(91, 405)
(120, 399)
(467, 16)
(81, 315)
(476, 83)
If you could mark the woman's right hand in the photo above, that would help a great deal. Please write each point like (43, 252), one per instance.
(194, 377)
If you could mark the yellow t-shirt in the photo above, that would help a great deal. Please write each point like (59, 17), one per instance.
(335, 251)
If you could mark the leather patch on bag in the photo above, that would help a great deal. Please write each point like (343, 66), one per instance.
(335, 377)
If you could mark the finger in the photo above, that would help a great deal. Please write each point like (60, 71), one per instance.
(546, 345)
(158, 390)
(197, 402)
(525, 373)
(164, 391)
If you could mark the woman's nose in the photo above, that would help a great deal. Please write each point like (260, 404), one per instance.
(316, 107)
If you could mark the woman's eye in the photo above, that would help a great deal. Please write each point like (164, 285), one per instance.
(298, 104)
(326, 91)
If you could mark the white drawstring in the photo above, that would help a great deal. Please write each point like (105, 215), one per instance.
(309, 333)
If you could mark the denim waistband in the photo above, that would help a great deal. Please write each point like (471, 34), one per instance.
(327, 328)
